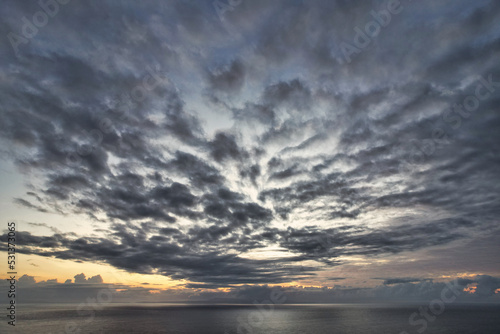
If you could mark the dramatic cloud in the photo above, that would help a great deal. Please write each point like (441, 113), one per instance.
(236, 149)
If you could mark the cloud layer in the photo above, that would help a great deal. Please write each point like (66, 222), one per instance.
(482, 288)
(194, 139)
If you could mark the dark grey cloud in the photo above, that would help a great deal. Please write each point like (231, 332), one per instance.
(29, 205)
(286, 173)
(328, 244)
(224, 146)
(80, 278)
(200, 173)
(252, 173)
(293, 94)
(392, 281)
(229, 79)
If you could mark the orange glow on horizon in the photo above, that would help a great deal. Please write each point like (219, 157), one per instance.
(153, 292)
(471, 288)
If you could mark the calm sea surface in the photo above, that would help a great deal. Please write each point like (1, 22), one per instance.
(220, 319)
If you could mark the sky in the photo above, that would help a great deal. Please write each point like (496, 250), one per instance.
(186, 150)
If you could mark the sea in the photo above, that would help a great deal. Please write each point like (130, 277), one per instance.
(229, 319)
